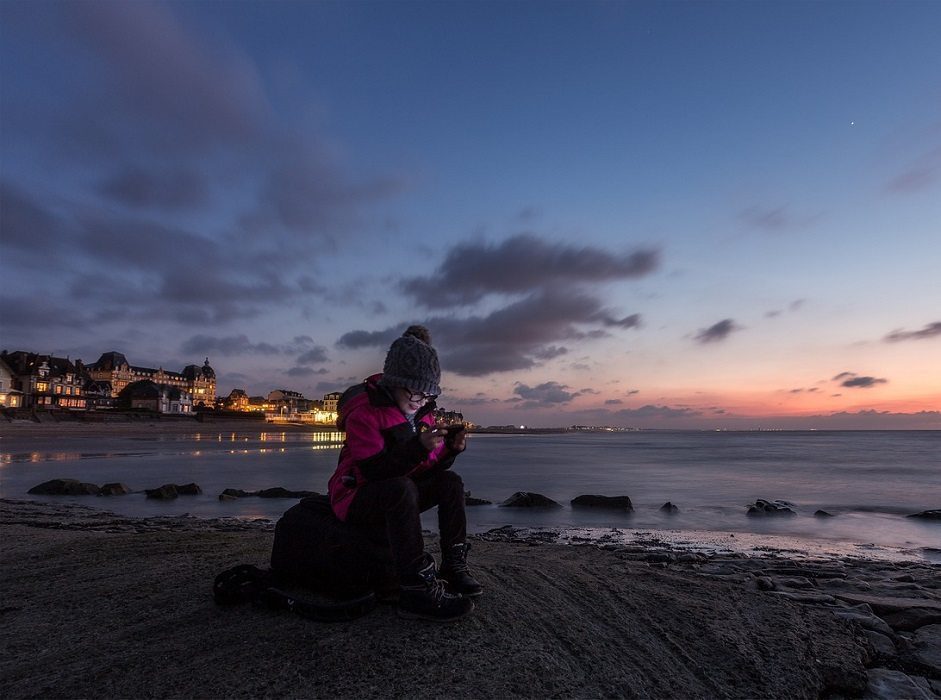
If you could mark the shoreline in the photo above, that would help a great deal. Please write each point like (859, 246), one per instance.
(111, 606)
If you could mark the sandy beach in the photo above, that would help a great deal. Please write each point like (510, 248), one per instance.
(100, 605)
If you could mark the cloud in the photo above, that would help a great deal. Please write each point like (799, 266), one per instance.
(774, 219)
(304, 371)
(470, 271)
(717, 331)
(655, 411)
(24, 221)
(313, 356)
(852, 380)
(518, 336)
(169, 190)
(931, 330)
(545, 394)
(613, 402)
(171, 172)
(241, 345)
(919, 175)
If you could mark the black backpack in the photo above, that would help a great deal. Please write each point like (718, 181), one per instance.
(249, 584)
(314, 550)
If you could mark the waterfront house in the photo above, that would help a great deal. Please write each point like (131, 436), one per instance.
(45, 381)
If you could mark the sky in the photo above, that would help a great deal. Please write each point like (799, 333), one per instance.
(637, 214)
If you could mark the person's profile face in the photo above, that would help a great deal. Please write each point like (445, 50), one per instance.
(410, 401)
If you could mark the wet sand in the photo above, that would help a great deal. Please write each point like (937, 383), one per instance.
(100, 605)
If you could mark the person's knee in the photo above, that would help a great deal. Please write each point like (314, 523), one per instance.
(401, 492)
(452, 480)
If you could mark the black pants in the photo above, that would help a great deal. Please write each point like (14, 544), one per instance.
(395, 506)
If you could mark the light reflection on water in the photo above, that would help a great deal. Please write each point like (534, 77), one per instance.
(867, 480)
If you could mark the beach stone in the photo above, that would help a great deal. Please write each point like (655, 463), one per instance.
(881, 644)
(801, 582)
(764, 583)
(527, 499)
(227, 497)
(822, 514)
(669, 508)
(114, 490)
(281, 492)
(471, 501)
(64, 487)
(926, 647)
(775, 508)
(812, 598)
(927, 514)
(907, 614)
(885, 684)
(611, 502)
(232, 494)
(166, 492)
(866, 620)
(189, 490)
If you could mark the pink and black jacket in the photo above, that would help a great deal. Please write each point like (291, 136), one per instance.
(381, 443)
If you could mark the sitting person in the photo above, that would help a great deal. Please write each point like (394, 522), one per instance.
(395, 464)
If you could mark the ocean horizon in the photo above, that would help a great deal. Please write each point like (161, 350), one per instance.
(869, 481)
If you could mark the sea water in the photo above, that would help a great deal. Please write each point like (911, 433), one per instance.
(868, 481)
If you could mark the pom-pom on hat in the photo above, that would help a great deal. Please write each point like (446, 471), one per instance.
(412, 363)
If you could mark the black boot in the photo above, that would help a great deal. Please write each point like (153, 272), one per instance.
(423, 596)
(454, 570)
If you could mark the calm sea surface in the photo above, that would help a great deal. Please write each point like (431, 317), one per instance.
(868, 480)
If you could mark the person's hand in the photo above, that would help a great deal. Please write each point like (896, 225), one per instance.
(432, 439)
(456, 439)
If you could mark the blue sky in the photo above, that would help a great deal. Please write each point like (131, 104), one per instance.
(638, 214)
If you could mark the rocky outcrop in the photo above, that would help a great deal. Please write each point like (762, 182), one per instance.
(168, 492)
(114, 489)
(527, 499)
(822, 514)
(275, 492)
(927, 515)
(762, 507)
(669, 508)
(471, 501)
(64, 487)
(608, 502)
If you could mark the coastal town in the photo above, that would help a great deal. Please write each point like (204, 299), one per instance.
(36, 387)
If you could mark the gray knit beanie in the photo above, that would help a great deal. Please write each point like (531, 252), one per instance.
(412, 363)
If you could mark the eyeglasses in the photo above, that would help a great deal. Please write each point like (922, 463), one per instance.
(419, 396)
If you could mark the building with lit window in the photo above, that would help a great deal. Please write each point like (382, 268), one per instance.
(199, 382)
(45, 381)
(10, 397)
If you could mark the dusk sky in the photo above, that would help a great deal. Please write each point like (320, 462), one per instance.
(670, 215)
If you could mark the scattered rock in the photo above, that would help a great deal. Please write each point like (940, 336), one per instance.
(822, 514)
(907, 614)
(609, 502)
(764, 583)
(276, 492)
(763, 507)
(527, 499)
(927, 514)
(280, 492)
(115, 489)
(471, 501)
(669, 508)
(926, 647)
(64, 487)
(866, 620)
(189, 490)
(881, 645)
(166, 492)
(891, 685)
